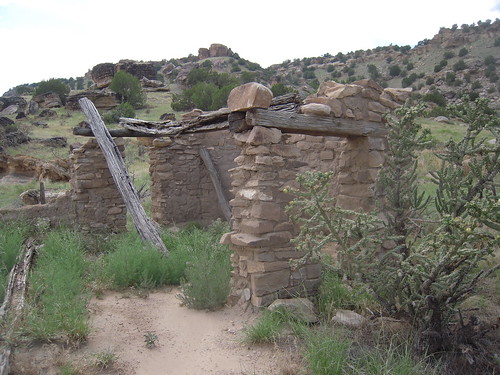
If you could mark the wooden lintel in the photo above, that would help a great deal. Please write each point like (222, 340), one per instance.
(290, 122)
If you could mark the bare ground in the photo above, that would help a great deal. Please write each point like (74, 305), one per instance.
(189, 342)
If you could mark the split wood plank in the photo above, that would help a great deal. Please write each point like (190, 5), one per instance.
(144, 225)
(314, 125)
(214, 176)
(14, 297)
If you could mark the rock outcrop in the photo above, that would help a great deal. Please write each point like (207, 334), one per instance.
(10, 101)
(215, 50)
(102, 99)
(360, 100)
(48, 100)
(102, 74)
(137, 69)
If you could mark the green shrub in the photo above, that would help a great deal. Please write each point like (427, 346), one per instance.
(459, 65)
(53, 85)
(429, 81)
(128, 88)
(394, 70)
(122, 110)
(280, 89)
(464, 51)
(207, 278)
(448, 55)
(489, 60)
(57, 298)
(134, 263)
(435, 97)
(207, 275)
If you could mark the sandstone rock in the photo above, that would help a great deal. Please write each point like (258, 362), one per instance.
(399, 95)
(343, 91)
(30, 197)
(249, 95)
(18, 101)
(137, 69)
(16, 138)
(300, 308)
(32, 107)
(218, 50)
(443, 119)
(40, 124)
(48, 100)
(10, 110)
(151, 83)
(102, 74)
(203, 53)
(48, 113)
(102, 99)
(262, 136)
(167, 117)
(268, 282)
(192, 115)
(349, 318)
(316, 109)
(5, 121)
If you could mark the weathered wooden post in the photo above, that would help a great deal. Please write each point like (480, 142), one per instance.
(144, 225)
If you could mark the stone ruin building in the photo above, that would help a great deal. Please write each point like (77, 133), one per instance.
(255, 149)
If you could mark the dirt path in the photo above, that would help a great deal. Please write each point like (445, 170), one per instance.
(189, 342)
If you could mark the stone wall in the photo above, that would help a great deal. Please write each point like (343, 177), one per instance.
(97, 203)
(181, 188)
(93, 204)
(269, 161)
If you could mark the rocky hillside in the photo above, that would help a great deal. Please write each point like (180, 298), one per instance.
(455, 61)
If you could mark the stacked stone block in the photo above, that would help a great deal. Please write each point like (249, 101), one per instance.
(262, 232)
(97, 204)
(181, 188)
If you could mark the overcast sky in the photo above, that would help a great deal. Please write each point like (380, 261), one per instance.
(43, 39)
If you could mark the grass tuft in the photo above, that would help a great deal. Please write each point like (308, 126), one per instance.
(57, 299)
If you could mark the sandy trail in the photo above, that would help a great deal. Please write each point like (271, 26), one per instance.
(190, 342)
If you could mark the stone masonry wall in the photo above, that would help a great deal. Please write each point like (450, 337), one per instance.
(97, 204)
(270, 161)
(181, 188)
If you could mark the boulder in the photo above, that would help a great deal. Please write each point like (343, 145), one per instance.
(192, 115)
(53, 141)
(218, 50)
(102, 74)
(203, 53)
(16, 138)
(151, 83)
(249, 95)
(5, 121)
(137, 69)
(18, 101)
(48, 100)
(444, 119)
(32, 107)
(10, 110)
(47, 113)
(349, 318)
(167, 117)
(300, 308)
(102, 99)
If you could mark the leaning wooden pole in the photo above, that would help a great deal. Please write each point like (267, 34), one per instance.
(144, 225)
